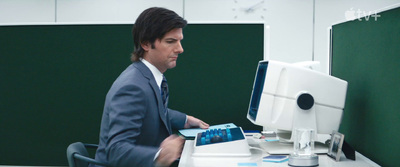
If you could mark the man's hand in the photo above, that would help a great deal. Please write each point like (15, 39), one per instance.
(171, 149)
(193, 122)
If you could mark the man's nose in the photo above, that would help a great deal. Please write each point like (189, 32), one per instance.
(179, 48)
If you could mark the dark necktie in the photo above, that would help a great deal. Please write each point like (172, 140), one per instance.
(164, 93)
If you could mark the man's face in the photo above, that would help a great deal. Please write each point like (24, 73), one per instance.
(166, 50)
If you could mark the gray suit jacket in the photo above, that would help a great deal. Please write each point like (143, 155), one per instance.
(134, 123)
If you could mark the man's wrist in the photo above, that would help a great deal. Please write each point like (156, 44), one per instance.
(157, 154)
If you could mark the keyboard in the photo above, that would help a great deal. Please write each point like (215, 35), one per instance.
(221, 142)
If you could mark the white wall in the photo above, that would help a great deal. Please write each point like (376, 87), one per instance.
(23, 11)
(290, 24)
(289, 37)
(79, 11)
(109, 11)
(225, 11)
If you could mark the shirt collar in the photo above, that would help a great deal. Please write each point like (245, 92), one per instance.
(158, 76)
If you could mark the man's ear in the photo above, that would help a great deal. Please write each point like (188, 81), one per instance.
(146, 46)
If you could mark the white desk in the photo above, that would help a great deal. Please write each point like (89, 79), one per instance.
(256, 160)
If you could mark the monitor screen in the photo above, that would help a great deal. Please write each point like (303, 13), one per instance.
(257, 89)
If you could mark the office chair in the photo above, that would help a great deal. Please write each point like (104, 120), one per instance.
(78, 155)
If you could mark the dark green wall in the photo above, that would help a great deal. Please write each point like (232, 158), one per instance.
(53, 80)
(367, 54)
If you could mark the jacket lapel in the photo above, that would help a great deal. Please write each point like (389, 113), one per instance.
(160, 105)
(152, 82)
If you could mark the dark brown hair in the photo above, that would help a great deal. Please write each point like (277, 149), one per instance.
(152, 24)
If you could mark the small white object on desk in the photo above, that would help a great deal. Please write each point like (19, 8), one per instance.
(276, 158)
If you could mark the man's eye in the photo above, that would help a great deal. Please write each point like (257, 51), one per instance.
(170, 41)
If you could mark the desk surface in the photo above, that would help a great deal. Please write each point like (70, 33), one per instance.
(256, 160)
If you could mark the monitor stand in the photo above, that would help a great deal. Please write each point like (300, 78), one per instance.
(278, 147)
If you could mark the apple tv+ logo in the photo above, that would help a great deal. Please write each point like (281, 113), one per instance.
(358, 14)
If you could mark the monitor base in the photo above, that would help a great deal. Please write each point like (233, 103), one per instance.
(303, 160)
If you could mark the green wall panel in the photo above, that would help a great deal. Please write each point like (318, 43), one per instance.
(367, 54)
(54, 78)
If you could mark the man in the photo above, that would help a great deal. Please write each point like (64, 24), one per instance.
(136, 126)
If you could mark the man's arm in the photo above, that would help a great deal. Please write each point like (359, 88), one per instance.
(193, 122)
(177, 119)
(170, 150)
(180, 121)
(127, 109)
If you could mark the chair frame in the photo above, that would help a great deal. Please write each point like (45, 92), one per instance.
(78, 151)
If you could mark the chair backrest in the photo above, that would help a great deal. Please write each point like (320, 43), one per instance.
(77, 148)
